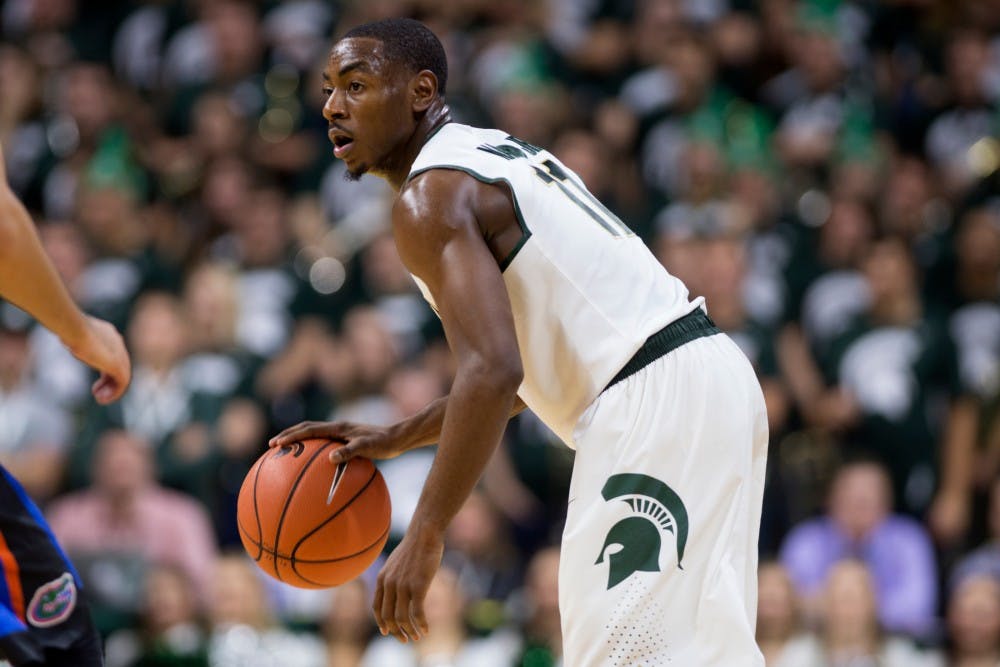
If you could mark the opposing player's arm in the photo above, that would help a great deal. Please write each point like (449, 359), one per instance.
(440, 241)
(29, 281)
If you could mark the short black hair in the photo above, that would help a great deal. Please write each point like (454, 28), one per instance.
(408, 42)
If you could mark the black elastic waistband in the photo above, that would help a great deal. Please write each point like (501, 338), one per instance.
(694, 325)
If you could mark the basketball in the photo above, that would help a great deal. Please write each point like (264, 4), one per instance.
(309, 522)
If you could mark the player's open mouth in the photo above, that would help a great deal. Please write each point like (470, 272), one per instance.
(341, 143)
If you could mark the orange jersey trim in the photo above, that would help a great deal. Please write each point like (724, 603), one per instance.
(12, 573)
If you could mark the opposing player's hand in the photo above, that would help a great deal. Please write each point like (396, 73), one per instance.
(372, 442)
(403, 582)
(103, 349)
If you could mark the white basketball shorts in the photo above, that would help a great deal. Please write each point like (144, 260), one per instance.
(659, 552)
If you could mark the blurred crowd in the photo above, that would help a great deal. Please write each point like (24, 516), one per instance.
(825, 172)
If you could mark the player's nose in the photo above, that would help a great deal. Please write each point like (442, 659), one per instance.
(334, 107)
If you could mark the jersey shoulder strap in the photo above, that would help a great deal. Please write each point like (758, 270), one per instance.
(472, 150)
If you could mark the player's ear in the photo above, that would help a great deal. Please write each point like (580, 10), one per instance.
(425, 89)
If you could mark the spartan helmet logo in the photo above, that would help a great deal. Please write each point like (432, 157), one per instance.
(657, 509)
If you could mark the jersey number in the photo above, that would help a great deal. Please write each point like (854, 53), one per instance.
(580, 196)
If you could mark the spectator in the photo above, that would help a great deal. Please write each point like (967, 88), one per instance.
(859, 524)
(813, 97)
(910, 207)
(723, 262)
(243, 629)
(485, 560)
(778, 617)
(888, 368)
(849, 630)
(984, 560)
(267, 286)
(33, 432)
(165, 405)
(826, 173)
(124, 523)
(20, 128)
(171, 632)
(349, 625)
(968, 118)
(974, 622)
(216, 364)
(538, 615)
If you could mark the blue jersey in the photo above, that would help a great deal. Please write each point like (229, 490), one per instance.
(42, 619)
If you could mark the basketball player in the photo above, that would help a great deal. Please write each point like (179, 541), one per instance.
(42, 619)
(549, 301)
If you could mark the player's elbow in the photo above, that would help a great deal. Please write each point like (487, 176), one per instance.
(501, 374)
(510, 373)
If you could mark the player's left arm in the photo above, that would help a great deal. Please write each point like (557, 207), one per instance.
(440, 241)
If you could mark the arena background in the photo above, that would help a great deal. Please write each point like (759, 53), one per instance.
(823, 171)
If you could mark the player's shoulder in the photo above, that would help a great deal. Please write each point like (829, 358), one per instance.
(452, 135)
(459, 147)
(438, 199)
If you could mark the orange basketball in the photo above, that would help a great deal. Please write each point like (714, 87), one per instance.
(309, 522)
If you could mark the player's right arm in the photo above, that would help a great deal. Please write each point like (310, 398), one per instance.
(29, 281)
(378, 442)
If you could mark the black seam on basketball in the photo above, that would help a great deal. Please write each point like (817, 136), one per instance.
(291, 494)
(256, 511)
(244, 531)
(332, 516)
(295, 562)
(274, 553)
(260, 546)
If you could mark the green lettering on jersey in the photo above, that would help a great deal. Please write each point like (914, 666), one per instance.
(505, 151)
(552, 173)
(531, 149)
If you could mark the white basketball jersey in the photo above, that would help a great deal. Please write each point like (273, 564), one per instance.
(585, 292)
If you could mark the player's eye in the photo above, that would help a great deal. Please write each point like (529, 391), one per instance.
(355, 86)
(327, 92)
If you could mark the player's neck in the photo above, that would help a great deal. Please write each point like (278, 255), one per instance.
(436, 115)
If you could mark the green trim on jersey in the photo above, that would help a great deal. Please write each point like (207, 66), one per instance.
(525, 232)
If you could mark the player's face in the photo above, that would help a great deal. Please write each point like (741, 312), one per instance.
(367, 105)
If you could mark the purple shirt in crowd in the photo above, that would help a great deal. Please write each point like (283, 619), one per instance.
(898, 553)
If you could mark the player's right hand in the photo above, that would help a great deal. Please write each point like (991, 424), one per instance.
(371, 442)
(103, 349)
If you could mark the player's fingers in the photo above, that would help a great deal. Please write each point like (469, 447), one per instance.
(283, 437)
(307, 430)
(353, 448)
(403, 621)
(418, 619)
(295, 433)
(377, 604)
(387, 610)
(107, 389)
(341, 454)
